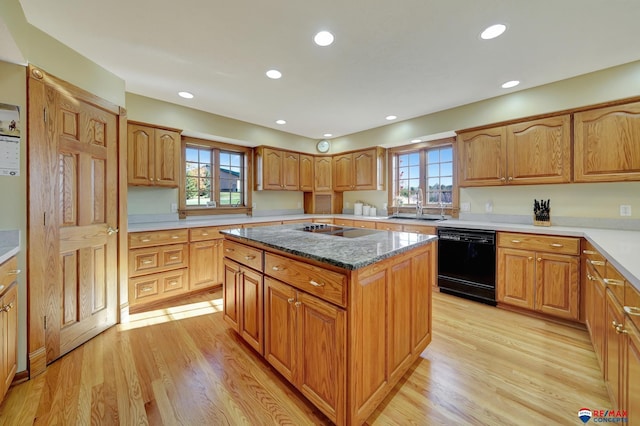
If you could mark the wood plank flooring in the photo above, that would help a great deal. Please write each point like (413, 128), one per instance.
(183, 366)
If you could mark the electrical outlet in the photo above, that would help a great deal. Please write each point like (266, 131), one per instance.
(488, 207)
(253, 206)
(299, 204)
(625, 210)
(465, 207)
(174, 207)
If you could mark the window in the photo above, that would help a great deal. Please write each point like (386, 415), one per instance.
(425, 171)
(215, 179)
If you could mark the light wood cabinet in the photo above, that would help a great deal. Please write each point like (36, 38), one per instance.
(615, 343)
(307, 167)
(8, 323)
(607, 144)
(632, 374)
(205, 264)
(158, 266)
(360, 170)
(153, 156)
(594, 298)
(420, 229)
(542, 274)
(368, 224)
(306, 342)
(532, 152)
(323, 179)
(277, 169)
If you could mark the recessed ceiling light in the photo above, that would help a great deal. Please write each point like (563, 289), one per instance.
(323, 38)
(274, 74)
(510, 84)
(281, 122)
(391, 117)
(493, 31)
(327, 135)
(416, 140)
(186, 95)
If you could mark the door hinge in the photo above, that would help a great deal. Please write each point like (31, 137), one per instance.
(45, 322)
(44, 110)
(45, 220)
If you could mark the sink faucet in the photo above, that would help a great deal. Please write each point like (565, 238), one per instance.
(419, 203)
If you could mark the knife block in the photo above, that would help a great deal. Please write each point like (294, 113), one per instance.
(541, 222)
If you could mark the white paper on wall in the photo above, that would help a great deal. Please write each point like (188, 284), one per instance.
(9, 140)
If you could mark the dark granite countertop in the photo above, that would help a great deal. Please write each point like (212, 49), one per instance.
(347, 253)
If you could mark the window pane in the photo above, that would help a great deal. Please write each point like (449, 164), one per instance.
(414, 159)
(446, 169)
(446, 154)
(191, 154)
(433, 170)
(433, 156)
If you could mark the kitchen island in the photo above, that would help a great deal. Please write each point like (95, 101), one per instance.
(341, 313)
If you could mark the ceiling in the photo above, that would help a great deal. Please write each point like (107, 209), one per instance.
(406, 58)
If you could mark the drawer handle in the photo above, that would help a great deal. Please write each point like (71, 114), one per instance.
(516, 241)
(173, 283)
(229, 250)
(14, 272)
(204, 234)
(249, 257)
(1, 287)
(7, 308)
(145, 289)
(145, 240)
(146, 262)
(175, 237)
(632, 310)
(278, 268)
(620, 330)
(611, 281)
(588, 252)
(556, 245)
(316, 284)
(174, 258)
(591, 277)
(596, 262)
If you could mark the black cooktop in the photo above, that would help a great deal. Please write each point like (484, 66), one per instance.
(337, 231)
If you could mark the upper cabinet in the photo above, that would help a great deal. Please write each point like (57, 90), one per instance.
(360, 170)
(277, 169)
(153, 156)
(607, 144)
(323, 181)
(532, 152)
(307, 166)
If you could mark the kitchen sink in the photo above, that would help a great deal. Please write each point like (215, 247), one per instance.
(429, 217)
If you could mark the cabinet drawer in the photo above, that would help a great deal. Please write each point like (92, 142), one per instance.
(155, 238)
(343, 222)
(389, 226)
(157, 286)
(364, 224)
(614, 282)
(245, 255)
(546, 243)
(326, 284)
(632, 303)
(594, 258)
(419, 229)
(8, 273)
(204, 234)
(156, 259)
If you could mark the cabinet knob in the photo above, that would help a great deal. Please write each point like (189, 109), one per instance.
(510, 178)
(620, 330)
(530, 257)
(503, 179)
(297, 304)
(539, 259)
(7, 308)
(291, 300)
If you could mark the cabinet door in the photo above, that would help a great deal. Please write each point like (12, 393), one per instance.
(279, 326)
(323, 176)
(291, 171)
(607, 144)
(594, 310)
(251, 321)
(8, 338)
(423, 276)
(272, 166)
(306, 172)
(557, 285)
(140, 155)
(343, 172)
(365, 164)
(515, 281)
(483, 157)
(633, 375)
(539, 151)
(167, 158)
(321, 352)
(204, 264)
(231, 291)
(614, 360)
(400, 314)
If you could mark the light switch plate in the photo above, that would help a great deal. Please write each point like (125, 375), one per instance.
(625, 210)
(465, 207)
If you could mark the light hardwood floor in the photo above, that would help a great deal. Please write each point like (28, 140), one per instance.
(485, 366)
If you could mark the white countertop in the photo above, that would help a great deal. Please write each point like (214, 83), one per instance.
(621, 248)
(9, 244)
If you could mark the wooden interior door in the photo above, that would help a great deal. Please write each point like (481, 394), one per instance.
(73, 215)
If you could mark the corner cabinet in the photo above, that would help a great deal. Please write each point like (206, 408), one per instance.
(607, 144)
(153, 156)
(8, 323)
(532, 152)
(277, 169)
(360, 170)
(539, 273)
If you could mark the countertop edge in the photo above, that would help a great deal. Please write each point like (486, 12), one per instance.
(7, 253)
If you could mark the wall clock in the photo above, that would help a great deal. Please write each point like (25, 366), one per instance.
(323, 146)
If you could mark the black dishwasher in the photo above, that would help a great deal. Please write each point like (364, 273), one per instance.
(467, 263)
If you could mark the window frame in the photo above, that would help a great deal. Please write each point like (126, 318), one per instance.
(247, 152)
(422, 149)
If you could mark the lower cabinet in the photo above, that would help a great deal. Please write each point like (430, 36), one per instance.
(205, 264)
(614, 373)
(8, 323)
(540, 274)
(633, 374)
(305, 340)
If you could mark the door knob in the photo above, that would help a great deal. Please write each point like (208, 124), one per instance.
(111, 231)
